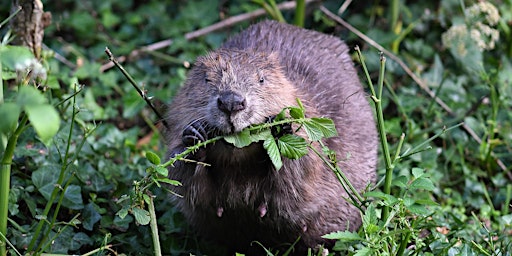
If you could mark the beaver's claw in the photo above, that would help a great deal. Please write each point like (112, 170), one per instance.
(193, 134)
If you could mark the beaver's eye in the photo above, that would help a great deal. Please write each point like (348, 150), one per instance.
(262, 80)
(207, 80)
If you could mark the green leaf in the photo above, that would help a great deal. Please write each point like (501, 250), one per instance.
(45, 120)
(240, 139)
(122, 213)
(400, 181)
(296, 112)
(90, 216)
(73, 198)
(10, 113)
(364, 251)
(326, 126)
(388, 200)
(292, 146)
(169, 181)
(273, 152)
(344, 236)
(12, 57)
(318, 128)
(152, 157)
(422, 183)
(162, 171)
(141, 216)
(29, 95)
(417, 172)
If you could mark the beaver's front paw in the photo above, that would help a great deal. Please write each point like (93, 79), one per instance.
(279, 130)
(193, 134)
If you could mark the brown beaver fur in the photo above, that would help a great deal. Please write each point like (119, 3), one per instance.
(240, 197)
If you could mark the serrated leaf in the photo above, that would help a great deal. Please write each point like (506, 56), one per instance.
(9, 112)
(419, 209)
(240, 139)
(400, 181)
(122, 213)
(364, 252)
(273, 152)
(344, 236)
(326, 126)
(422, 183)
(296, 112)
(45, 120)
(141, 216)
(292, 146)
(313, 132)
(152, 157)
(388, 200)
(417, 172)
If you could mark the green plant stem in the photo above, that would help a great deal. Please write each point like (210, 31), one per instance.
(154, 226)
(507, 199)
(345, 182)
(300, 12)
(5, 181)
(383, 138)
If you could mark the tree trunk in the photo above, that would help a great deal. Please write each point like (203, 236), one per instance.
(29, 24)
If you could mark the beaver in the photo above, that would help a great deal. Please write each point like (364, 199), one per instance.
(239, 197)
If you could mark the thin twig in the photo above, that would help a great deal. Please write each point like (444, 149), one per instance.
(229, 22)
(414, 77)
(134, 84)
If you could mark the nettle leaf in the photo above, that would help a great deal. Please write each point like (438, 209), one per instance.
(400, 181)
(152, 157)
(417, 172)
(292, 146)
(422, 183)
(141, 216)
(273, 152)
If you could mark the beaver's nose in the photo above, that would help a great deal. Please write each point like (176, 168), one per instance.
(229, 102)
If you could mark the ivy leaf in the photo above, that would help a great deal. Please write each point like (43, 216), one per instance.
(292, 146)
(273, 152)
(169, 181)
(141, 216)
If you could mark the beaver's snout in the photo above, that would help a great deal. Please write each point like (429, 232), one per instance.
(230, 102)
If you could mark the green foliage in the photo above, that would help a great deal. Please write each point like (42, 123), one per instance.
(289, 145)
